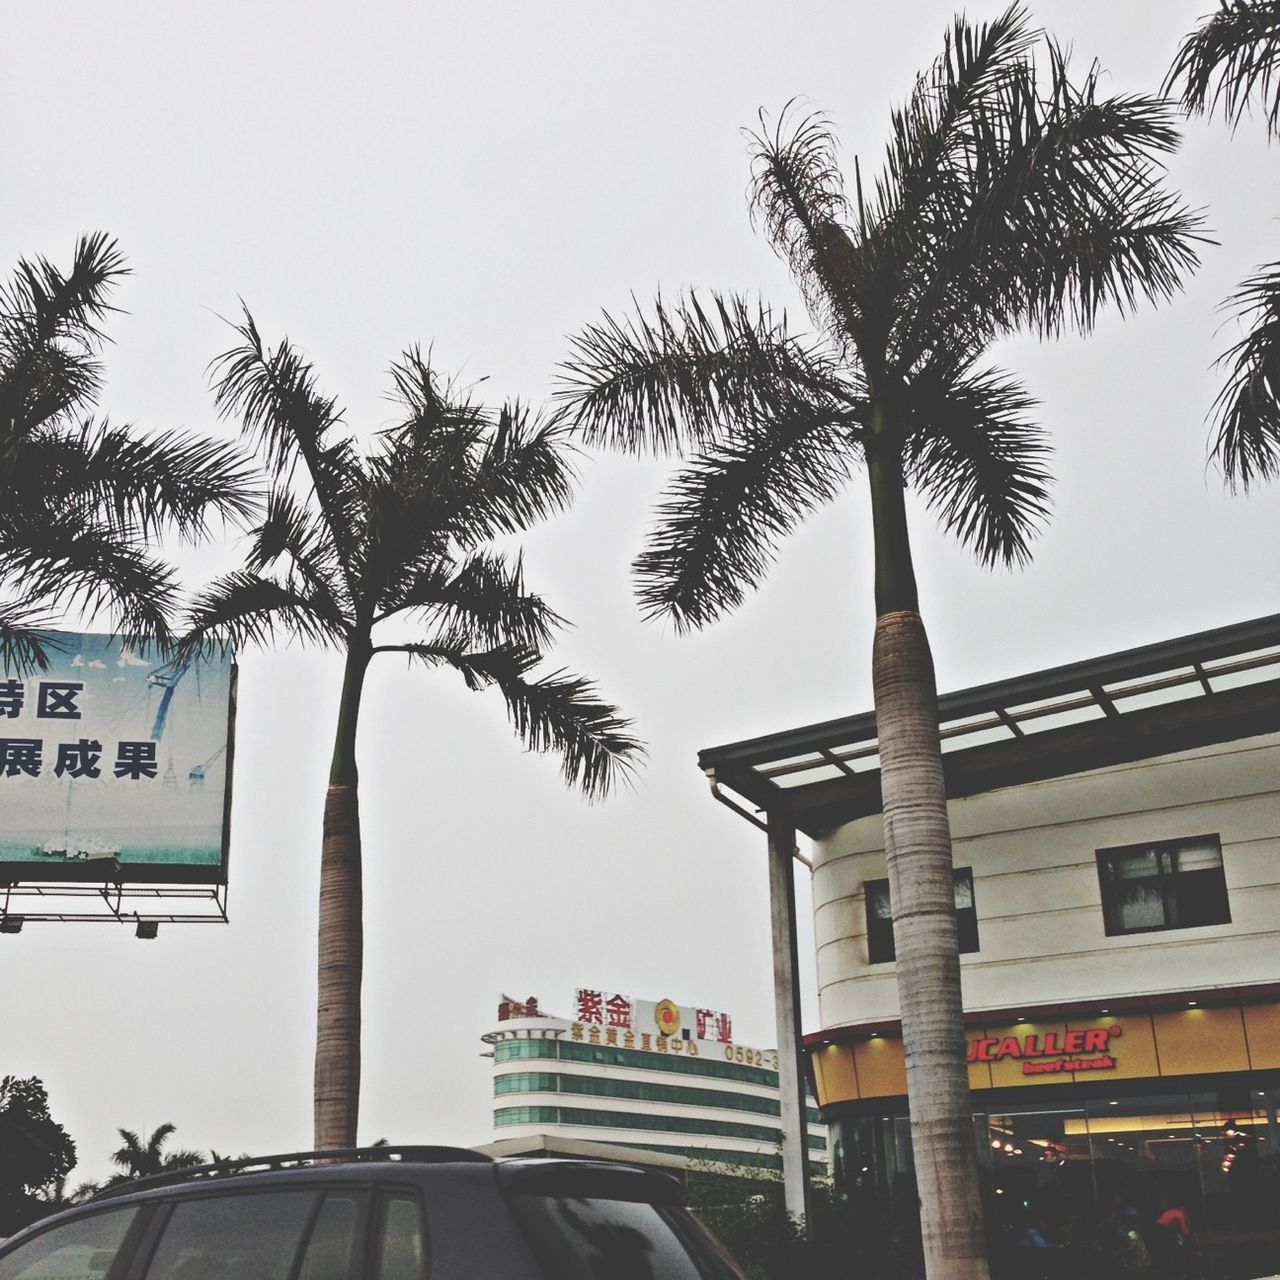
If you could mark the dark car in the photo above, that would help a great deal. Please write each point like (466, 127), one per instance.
(383, 1213)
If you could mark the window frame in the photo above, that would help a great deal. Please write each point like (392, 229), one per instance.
(123, 1263)
(166, 1209)
(384, 1194)
(877, 933)
(1108, 882)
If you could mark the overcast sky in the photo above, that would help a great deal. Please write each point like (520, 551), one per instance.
(487, 177)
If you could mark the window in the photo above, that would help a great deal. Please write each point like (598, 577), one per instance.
(585, 1238)
(402, 1251)
(331, 1248)
(79, 1250)
(231, 1236)
(880, 917)
(1176, 884)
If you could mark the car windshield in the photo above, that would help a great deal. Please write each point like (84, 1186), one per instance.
(587, 1238)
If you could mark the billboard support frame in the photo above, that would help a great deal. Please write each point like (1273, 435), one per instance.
(113, 900)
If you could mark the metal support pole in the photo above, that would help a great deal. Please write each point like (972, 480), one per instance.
(786, 999)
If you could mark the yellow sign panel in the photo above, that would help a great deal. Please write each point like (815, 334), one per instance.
(1190, 1041)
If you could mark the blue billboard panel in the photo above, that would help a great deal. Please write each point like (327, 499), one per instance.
(116, 766)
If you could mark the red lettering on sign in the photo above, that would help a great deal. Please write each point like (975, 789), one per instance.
(1095, 1041)
(1073, 1042)
(1009, 1048)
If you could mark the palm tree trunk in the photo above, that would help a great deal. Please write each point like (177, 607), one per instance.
(341, 929)
(921, 887)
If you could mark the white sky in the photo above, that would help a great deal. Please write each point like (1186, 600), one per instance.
(487, 178)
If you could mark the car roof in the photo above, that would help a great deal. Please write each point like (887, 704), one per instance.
(518, 1175)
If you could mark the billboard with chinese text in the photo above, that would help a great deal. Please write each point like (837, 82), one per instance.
(110, 759)
(661, 1017)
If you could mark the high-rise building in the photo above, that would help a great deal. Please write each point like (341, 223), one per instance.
(649, 1075)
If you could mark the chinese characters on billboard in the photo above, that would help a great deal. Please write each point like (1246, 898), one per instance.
(112, 758)
(598, 1008)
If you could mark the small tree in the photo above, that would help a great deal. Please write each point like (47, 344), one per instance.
(35, 1152)
(138, 1159)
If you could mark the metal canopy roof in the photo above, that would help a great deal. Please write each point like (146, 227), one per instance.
(1214, 686)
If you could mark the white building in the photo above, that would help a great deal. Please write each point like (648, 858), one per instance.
(1116, 838)
(638, 1074)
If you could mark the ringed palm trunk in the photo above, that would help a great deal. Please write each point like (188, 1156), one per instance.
(341, 929)
(921, 886)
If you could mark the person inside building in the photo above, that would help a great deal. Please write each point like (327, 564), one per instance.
(1171, 1249)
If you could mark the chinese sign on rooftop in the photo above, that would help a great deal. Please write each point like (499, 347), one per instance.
(112, 758)
(622, 1013)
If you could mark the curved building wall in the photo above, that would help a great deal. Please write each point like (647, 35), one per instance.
(1033, 853)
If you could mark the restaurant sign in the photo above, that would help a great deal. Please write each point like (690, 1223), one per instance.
(1052, 1053)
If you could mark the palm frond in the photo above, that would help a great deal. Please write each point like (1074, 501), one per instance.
(274, 396)
(49, 334)
(1247, 410)
(57, 305)
(78, 562)
(482, 599)
(932, 144)
(1057, 209)
(455, 469)
(25, 642)
(680, 379)
(137, 483)
(242, 609)
(557, 713)
(797, 193)
(1232, 62)
(980, 463)
(292, 532)
(723, 515)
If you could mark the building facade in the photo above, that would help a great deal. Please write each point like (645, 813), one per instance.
(639, 1074)
(1116, 839)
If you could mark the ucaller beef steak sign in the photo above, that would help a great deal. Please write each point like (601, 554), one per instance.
(1052, 1053)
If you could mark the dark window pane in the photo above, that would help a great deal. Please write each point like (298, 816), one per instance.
(332, 1246)
(593, 1239)
(80, 1250)
(402, 1253)
(1177, 884)
(230, 1237)
(880, 944)
(1200, 897)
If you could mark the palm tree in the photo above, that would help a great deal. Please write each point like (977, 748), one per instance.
(1230, 63)
(79, 500)
(138, 1159)
(1009, 201)
(406, 533)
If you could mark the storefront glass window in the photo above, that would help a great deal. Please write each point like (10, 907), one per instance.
(1108, 1183)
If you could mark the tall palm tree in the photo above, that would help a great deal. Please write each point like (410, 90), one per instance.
(1231, 63)
(1009, 200)
(138, 1159)
(351, 542)
(80, 501)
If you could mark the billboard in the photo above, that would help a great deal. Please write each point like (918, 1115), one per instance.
(116, 766)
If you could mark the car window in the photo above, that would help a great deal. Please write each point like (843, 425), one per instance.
(331, 1248)
(79, 1250)
(233, 1237)
(580, 1238)
(402, 1253)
